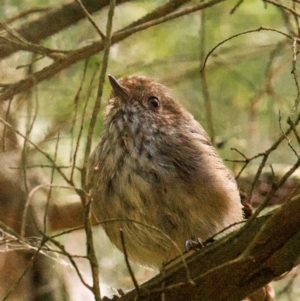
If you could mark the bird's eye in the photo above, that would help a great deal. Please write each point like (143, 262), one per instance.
(153, 102)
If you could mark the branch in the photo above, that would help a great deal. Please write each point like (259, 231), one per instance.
(240, 34)
(51, 22)
(252, 257)
(291, 11)
(91, 253)
(9, 90)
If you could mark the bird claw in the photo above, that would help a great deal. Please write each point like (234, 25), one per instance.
(194, 245)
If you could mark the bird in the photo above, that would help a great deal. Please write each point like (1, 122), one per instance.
(156, 175)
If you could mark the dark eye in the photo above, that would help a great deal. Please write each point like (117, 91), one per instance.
(153, 102)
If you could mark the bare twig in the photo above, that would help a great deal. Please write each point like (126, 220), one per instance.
(203, 80)
(8, 90)
(53, 21)
(289, 141)
(81, 127)
(291, 11)
(25, 271)
(265, 155)
(240, 34)
(39, 149)
(88, 223)
(274, 188)
(135, 283)
(71, 259)
(4, 127)
(295, 74)
(97, 103)
(51, 183)
(291, 123)
(25, 13)
(19, 41)
(73, 154)
(90, 18)
(27, 205)
(237, 5)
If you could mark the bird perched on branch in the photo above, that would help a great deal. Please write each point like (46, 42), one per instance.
(156, 175)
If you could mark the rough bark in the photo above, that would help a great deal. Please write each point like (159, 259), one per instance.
(232, 268)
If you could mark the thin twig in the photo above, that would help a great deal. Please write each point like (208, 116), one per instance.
(162, 233)
(23, 44)
(25, 271)
(237, 5)
(91, 254)
(295, 75)
(83, 116)
(240, 34)
(102, 76)
(51, 183)
(4, 127)
(29, 127)
(293, 12)
(287, 138)
(274, 189)
(265, 155)
(246, 161)
(135, 283)
(8, 90)
(41, 166)
(39, 149)
(73, 155)
(27, 205)
(71, 259)
(203, 80)
(90, 18)
(25, 13)
(291, 123)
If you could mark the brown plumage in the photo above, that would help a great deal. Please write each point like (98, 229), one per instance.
(155, 165)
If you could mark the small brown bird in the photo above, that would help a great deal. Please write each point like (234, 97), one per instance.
(156, 168)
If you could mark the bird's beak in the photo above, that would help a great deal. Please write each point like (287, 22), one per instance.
(118, 89)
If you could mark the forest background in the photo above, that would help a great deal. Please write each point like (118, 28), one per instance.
(232, 64)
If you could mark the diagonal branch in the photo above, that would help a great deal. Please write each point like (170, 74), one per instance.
(51, 22)
(8, 90)
(252, 257)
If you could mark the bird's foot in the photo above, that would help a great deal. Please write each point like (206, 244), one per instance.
(194, 245)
